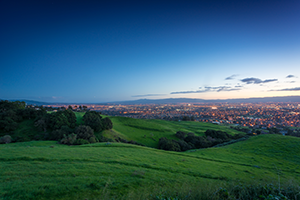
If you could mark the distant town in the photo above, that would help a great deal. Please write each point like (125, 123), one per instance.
(261, 116)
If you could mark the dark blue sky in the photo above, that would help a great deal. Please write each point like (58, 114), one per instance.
(98, 51)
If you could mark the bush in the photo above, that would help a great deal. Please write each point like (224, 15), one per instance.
(169, 145)
(69, 139)
(197, 141)
(107, 123)
(93, 120)
(59, 133)
(81, 141)
(180, 134)
(5, 139)
(238, 136)
(92, 140)
(217, 134)
(84, 132)
(184, 146)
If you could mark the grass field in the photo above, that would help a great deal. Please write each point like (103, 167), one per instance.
(46, 170)
(148, 132)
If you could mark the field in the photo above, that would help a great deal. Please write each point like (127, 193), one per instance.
(46, 170)
(148, 132)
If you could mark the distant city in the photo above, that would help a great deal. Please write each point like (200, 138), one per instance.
(261, 116)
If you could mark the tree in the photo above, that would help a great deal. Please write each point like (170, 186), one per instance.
(69, 139)
(11, 105)
(7, 124)
(71, 117)
(93, 119)
(59, 133)
(107, 123)
(167, 144)
(41, 124)
(5, 139)
(57, 120)
(217, 134)
(84, 132)
(84, 107)
(197, 141)
(180, 134)
(184, 146)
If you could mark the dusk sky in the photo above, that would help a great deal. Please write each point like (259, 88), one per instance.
(101, 51)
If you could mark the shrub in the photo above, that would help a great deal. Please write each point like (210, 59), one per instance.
(81, 141)
(238, 136)
(184, 146)
(197, 141)
(167, 144)
(69, 139)
(180, 134)
(93, 120)
(59, 133)
(217, 134)
(92, 140)
(5, 139)
(107, 123)
(84, 132)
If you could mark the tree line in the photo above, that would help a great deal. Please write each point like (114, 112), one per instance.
(187, 141)
(60, 126)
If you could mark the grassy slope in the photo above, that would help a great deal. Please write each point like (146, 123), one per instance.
(266, 151)
(79, 116)
(35, 170)
(25, 131)
(148, 132)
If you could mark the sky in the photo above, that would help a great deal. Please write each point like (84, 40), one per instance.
(103, 51)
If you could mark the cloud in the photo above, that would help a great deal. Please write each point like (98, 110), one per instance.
(251, 80)
(290, 81)
(269, 80)
(188, 92)
(209, 89)
(290, 76)
(288, 89)
(148, 95)
(231, 77)
(257, 80)
(227, 89)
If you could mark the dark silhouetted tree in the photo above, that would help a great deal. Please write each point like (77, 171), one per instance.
(107, 123)
(71, 117)
(93, 119)
(180, 134)
(84, 132)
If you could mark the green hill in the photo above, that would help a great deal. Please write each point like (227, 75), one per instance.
(46, 170)
(148, 132)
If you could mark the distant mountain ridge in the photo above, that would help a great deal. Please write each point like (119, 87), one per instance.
(287, 99)
(291, 99)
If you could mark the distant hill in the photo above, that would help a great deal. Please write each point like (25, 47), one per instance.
(148, 132)
(288, 99)
(189, 100)
(31, 102)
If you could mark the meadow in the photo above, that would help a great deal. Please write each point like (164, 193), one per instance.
(148, 132)
(108, 170)
(47, 170)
